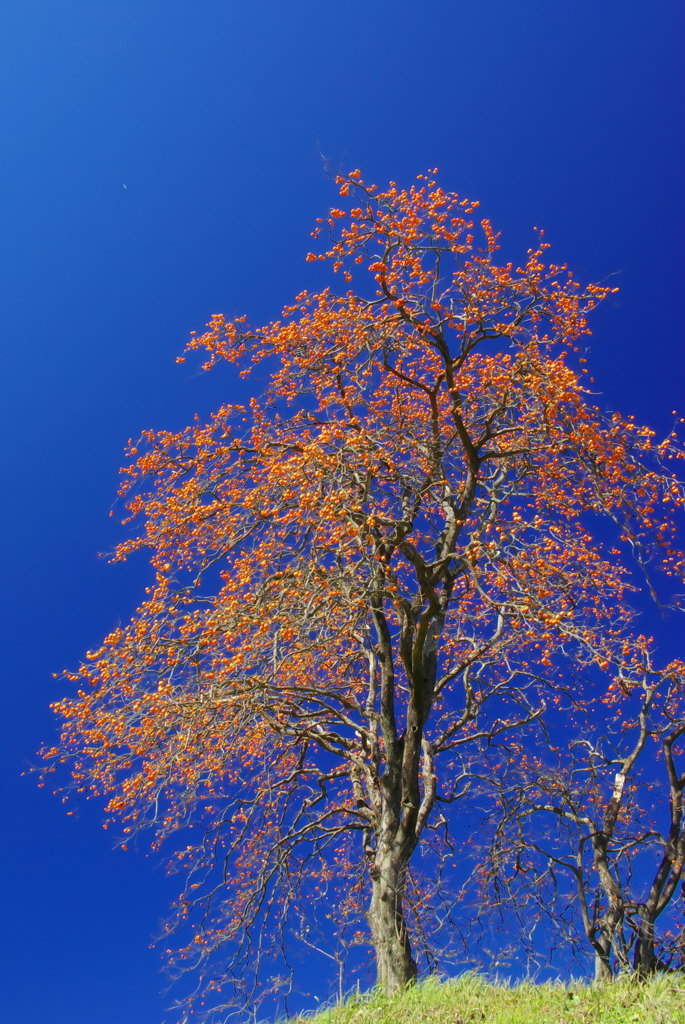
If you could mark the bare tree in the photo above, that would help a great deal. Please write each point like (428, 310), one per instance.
(595, 824)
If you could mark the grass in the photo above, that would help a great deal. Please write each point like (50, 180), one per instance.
(471, 1000)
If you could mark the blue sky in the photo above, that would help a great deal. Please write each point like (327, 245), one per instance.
(213, 114)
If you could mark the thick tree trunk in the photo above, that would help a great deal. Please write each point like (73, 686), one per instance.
(612, 917)
(603, 965)
(645, 959)
(605, 942)
(395, 965)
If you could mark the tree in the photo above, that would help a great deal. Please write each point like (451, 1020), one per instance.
(587, 827)
(362, 581)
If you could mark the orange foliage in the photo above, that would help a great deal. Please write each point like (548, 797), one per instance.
(350, 570)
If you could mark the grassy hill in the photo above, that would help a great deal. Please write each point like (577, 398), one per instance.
(470, 1000)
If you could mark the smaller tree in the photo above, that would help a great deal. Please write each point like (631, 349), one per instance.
(595, 830)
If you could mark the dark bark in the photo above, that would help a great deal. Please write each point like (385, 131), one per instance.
(403, 809)
(395, 965)
(670, 870)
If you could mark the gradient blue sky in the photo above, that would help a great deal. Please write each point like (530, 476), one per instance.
(213, 113)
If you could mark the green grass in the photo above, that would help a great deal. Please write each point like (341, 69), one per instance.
(471, 1000)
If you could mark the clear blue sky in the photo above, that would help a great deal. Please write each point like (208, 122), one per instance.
(212, 114)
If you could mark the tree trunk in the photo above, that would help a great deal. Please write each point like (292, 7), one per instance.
(645, 958)
(395, 965)
(603, 965)
(612, 917)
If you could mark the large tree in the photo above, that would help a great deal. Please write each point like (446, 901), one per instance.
(362, 580)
